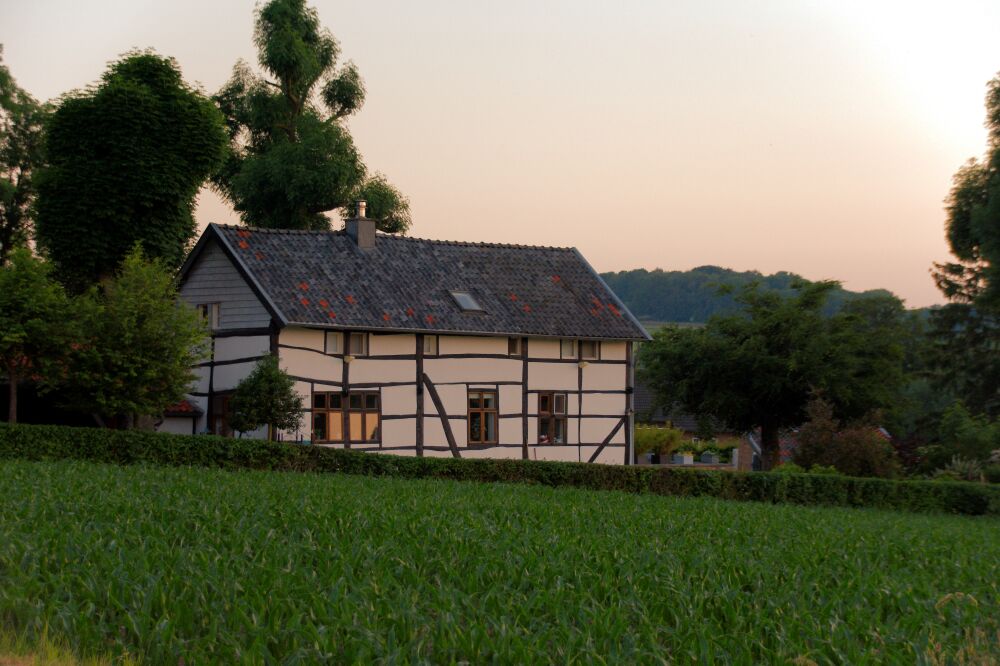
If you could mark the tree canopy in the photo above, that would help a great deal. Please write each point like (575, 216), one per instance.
(139, 344)
(126, 160)
(266, 397)
(292, 159)
(759, 369)
(22, 121)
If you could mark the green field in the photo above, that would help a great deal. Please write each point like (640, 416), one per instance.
(212, 566)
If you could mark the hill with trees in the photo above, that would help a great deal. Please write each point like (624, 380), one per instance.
(694, 296)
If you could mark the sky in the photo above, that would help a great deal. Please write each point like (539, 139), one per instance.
(813, 137)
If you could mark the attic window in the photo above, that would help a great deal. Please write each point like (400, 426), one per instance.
(466, 301)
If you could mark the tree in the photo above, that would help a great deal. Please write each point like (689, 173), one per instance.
(126, 160)
(855, 448)
(140, 346)
(967, 330)
(760, 368)
(21, 124)
(266, 397)
(292, 159)
(35, 324)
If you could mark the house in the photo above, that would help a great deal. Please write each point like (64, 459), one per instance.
(419, 347)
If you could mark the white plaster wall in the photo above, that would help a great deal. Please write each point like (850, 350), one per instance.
(510, 399)
(510, 431)
(594, 431)
(473, 370)
(239, 346)
(399, 432)
(611, 455)
(176, 425)
(375, 370)
(603, 403)
(552, 376)
(462, 344)
(543, 348)
(200, 384)
(302, 337)
(454, 398)
(612, 351)
(392, 344)
(400, 400)
(604, 376)
(434, 432)
(562, 453)
(228, 376)
(310, 364)
(305, 391)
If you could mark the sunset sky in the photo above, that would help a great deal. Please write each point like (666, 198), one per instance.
(813, 137)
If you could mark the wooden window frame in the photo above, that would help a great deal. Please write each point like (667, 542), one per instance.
(211, 313)
(337, 338)
(515, 348)
(432, 345)
(553, 416)
(483, 412)
(348, 436)
(597, 350)
(349, 350)
(574, 350)
(220, 415)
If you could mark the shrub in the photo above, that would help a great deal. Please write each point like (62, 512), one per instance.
(659, 440)
(961, 469)
(855, 449)
(131, 447)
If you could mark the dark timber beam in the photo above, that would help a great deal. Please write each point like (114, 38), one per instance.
(420, 396)
(607, 440)
(436, 399)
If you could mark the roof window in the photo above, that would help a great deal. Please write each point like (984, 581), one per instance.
(466, 301)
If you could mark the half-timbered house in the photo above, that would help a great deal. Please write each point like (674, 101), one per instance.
(419, 347)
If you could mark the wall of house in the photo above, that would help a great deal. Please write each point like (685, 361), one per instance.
(214, 279)
(595, 392)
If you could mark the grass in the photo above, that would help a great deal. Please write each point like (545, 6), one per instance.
(210, 566)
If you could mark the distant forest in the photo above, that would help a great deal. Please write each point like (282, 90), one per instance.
(692, 296)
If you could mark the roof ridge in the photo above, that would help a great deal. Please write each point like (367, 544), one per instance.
(410, 239)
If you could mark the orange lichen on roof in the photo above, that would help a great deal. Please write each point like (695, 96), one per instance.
(323, 303)
(304, 301)
(304, 286)
(349, 299)
(430, 319)
(244, 245)
(331, 314)
(385, 316)
(243, 233)
(513, 297)
(259, 255)
(556, 278)
(527, 308)
(611, 306)
(409, 312)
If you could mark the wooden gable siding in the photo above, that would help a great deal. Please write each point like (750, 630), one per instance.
(214, 279)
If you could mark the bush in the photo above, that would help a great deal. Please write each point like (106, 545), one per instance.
(855, 449)
(131, 447)
(659, 440)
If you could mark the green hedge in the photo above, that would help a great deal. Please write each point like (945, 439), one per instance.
(130, 447)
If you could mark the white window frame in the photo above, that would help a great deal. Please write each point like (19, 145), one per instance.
(569, 343)
(432, 345)
(211, 313)
(334, 342)
(364, 344)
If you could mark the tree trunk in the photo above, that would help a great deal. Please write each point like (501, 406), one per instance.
(12, 399)
(770, 445)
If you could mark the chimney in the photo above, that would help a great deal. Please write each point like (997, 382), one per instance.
(360, 228)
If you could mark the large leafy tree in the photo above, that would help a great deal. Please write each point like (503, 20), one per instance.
(967, 329)
(139, 346)
(760, 368)
(292, 158)
(266, 397)
(36, 325)
(126, 160)
(21, 129)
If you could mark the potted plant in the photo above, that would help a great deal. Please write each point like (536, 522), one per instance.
(710, 455)
(645, 444)
(685, 454)
(668, 440)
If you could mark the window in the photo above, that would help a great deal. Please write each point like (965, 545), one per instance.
(513, 346)
(333, 344)
(482, 417)
(590, 350)
(334, 412)
(359, 344)
(551, 418)
(466, 301)
(211, 314)
(431, 345)
(567, 348)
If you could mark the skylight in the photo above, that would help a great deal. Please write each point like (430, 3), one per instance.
(466, 301)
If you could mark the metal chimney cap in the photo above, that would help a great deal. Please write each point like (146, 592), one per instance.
(362, 207)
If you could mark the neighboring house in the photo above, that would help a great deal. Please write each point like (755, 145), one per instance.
(181, 418)
(419, 347)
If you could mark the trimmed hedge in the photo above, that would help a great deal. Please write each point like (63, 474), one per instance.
(33, 442)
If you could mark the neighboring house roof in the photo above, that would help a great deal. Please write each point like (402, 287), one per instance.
(323, 279)
(647, 408)
(183, 408)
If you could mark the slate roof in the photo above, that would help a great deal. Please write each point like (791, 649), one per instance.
(323, 279)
